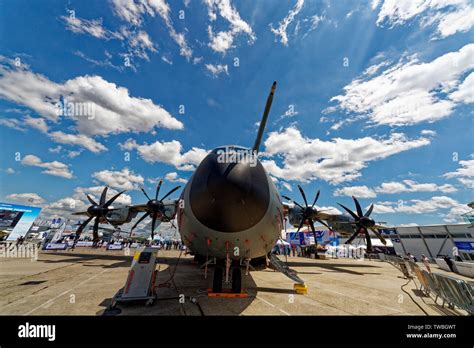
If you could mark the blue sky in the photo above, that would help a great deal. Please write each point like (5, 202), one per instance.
(373, 99)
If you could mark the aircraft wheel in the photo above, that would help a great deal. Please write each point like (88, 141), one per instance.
(217, 280)
(236, 280)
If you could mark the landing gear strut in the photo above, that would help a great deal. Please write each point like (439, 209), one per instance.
(236, 279)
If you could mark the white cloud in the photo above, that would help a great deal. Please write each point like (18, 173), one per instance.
(12, 123)
(133, 12)
(454, 214)
(287, 186)
(29, 198)
(314, 22)
(465, 91)
(56, 149)
(411, 92)
(285, 22)
(393, 188)
(92, 27)
(223, 40)
(173, 177)
(464, 174)
(10, 171)
(329, 210)
(335, 161)
(73, 154)
(52, 168)
(167, 152)
(121, 180)
(112, 108)
(412, 186)
(77, 139)
(138, 43)
(357, 191)
(449, 16)
(96, 191)
(67, 204)
(217, 69)
(78, 201)
(38, 123)
(432, 205)
(428, 132)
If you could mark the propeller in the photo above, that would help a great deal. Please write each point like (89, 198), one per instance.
(155, 208)
(309, 213)
(363, 224)
(97, 212)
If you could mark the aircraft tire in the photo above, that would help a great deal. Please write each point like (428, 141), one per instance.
(217, 280)
(236, 280)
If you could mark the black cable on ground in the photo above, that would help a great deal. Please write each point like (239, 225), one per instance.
(406, 292)
(174, 270)
(171, 279)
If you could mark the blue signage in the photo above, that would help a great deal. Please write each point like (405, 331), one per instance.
(465, 245)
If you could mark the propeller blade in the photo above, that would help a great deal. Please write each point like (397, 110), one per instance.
(316, 198)
(167, 219)
(288, 198)
(103, 196)
(355, 234)
(81, 228)
(349, 211)
(107, 220)
(379, 236)
(158, 188)
(110, 201)
(323, 223)
(359, 209)
(145, 194)
(367, 240)
(91, 200)
(95, 232)
(368, 212)
(144, 216)
(314, 232)
(176, 188)
(301, 224)
(304, 196)
(153, 222)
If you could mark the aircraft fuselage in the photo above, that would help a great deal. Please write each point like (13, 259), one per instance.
(230, 206)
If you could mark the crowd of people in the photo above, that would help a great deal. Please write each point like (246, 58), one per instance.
(287, 249)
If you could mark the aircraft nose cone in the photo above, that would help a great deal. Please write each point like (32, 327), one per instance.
(367, 222)
(96, 210)
(229, 197)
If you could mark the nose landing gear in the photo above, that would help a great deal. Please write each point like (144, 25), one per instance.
(235, 290)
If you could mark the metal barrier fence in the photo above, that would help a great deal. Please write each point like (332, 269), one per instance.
(451, 290)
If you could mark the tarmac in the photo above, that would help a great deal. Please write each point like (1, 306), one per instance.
(83, 282)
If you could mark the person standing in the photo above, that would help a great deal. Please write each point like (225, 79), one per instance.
(426, 262)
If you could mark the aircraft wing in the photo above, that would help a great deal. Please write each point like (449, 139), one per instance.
(326, 216)
(170, 206)
(81, 213)
(138, 207)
